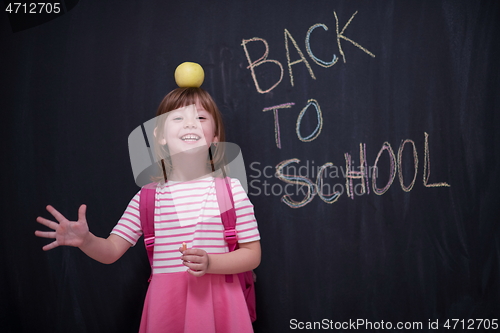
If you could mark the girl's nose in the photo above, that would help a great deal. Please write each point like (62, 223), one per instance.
(190, 122)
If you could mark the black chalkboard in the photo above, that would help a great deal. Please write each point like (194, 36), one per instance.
(369, 132)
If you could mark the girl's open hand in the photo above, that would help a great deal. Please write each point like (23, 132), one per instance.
(196, 260)
(71, 233)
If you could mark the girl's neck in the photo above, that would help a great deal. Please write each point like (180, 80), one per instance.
(189, 166)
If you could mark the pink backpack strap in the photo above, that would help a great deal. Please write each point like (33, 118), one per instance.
(147, 211)
(227, 213)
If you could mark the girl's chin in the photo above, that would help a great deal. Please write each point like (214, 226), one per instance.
(190, 149)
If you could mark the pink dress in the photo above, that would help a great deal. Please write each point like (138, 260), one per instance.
(180, 302)
(176, 301)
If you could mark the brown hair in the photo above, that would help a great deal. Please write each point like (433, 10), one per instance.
(179, 98)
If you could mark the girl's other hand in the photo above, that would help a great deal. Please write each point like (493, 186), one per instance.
(196, 260)
(71, 233)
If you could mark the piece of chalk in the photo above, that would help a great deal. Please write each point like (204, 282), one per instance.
(184, 247)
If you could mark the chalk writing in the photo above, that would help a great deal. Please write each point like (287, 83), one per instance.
(275, 109)
(300, 181)
(297, 180)
(318, 128)
(290, 176)
(427, 166)
(362, 174)
(328, 198)
(386, 146)
(301, 55)
(308, 48)
(305, 187)
(341, 35)
(315, 133)
(302, 59)
(400, 167)
(260, 61)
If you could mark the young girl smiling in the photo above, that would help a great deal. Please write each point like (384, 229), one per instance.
(196, 299)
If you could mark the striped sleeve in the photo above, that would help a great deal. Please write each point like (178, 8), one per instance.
(246, 225)
(129, 225)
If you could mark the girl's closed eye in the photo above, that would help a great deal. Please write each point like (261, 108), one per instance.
(175, 117)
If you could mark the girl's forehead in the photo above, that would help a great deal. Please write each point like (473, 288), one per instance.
(189, 107)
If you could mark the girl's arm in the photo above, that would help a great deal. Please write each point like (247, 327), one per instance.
(105, 250)
(246, 258)
(77, 234)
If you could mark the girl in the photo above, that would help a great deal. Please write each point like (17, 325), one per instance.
(196, 299)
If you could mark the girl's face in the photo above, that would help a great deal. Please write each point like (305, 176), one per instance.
(188, 128)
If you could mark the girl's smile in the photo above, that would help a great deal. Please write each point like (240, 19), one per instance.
(190, 138)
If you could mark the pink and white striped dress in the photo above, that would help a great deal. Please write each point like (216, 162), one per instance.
(177, 301)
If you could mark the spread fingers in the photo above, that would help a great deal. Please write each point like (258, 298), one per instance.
(45, 234)
(48, 223)
(55, 213)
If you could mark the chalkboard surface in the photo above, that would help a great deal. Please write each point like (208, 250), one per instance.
(369, 132)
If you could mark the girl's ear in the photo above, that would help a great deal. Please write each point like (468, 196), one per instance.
(162, 141)
(215, 140)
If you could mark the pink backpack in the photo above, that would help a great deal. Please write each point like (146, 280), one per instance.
(228, 216)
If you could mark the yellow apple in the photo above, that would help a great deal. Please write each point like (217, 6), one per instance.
(189, 74)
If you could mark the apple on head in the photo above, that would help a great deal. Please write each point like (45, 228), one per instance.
(189, 74)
